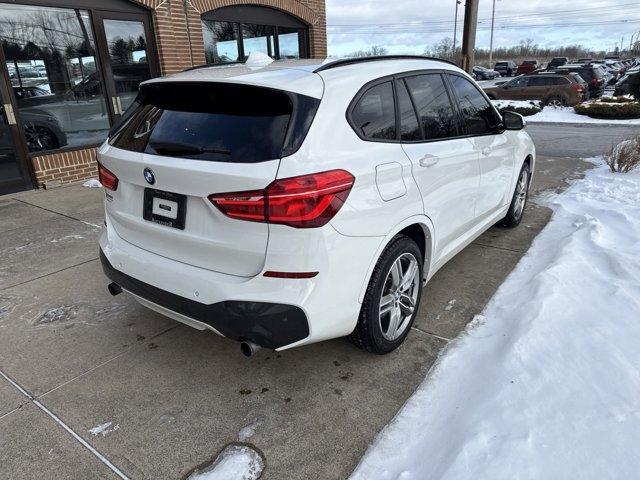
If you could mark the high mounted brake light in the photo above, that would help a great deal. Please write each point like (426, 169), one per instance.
(306, 201)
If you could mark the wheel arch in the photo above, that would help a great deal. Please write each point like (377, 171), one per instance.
(420, 229)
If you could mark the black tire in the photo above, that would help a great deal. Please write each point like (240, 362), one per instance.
(369, 334)
(515, 212)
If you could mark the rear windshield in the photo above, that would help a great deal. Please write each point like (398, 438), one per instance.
(501, 64)
(220, 122)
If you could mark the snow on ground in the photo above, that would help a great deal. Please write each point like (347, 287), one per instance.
(516, 103)
(546, 383)
(568, 115)
(92, 183)
(236, 462)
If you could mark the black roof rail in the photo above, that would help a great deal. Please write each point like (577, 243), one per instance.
(351, 61)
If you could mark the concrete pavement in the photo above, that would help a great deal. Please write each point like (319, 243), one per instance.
(175, 396)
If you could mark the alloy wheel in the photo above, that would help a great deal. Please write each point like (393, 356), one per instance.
(39, 138)
(522, 189)
(399, 296)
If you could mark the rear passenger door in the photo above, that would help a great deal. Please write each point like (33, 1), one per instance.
(483, 128)
(538, 88)
(445, 165)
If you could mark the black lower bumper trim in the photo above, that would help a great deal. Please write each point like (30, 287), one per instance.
(270, 325)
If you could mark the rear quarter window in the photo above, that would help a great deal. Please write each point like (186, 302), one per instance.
(374, 115)
(215, 122)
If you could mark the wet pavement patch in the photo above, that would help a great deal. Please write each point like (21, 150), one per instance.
(78, 312)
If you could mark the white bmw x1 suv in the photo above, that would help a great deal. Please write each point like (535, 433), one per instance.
(305, 200)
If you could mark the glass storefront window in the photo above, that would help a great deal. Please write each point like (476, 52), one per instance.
(258, 38)
(228, 41)
(52, 65)
(289, 42)
(220, 42)
(128, 57)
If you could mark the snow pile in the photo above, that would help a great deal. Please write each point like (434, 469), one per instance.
(568, 115)
(546, 383)
(236, 462)
(92, 183)
(258, 60)
(516, 103)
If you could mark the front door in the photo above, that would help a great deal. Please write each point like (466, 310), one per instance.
(128, 55)
(445, 166)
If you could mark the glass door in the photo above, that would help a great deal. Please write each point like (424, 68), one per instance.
(128, 55)
(14, 174)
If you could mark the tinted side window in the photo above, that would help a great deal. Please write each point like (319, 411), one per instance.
(519, 82)
(558, 81)
(434, 108)
(409, 126)
(538, 81)
(374, 115)
(478, 114)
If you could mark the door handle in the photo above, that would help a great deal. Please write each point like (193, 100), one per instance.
(117, 106)
(428, 161)
(486, 151)
(8, 113)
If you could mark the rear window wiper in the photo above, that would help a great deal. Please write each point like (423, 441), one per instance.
(179, 148)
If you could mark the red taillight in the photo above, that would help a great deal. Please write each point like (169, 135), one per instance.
(250, 205)
(577, 87)
(306, 201)
(107, 178)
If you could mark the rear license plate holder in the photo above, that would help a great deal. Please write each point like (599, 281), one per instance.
(165, 208)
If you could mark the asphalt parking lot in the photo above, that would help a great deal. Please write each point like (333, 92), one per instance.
(172, 397)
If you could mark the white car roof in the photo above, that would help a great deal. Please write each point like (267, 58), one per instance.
(306, 76)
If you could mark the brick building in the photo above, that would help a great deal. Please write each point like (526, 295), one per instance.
(69, 68)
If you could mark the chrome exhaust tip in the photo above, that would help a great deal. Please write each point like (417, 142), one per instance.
(249, 349)
(114, 289)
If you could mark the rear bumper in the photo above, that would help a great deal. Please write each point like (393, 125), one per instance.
(329, 303)
(269, 325)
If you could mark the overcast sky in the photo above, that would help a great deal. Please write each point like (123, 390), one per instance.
(408, 26)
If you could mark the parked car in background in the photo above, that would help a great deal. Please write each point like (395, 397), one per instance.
(557, 62)
(482, 73)
(623, 85)
(592, 74)
(551, 89)
(506, 69)
(584, 60)
(527, 66)
(305, 201)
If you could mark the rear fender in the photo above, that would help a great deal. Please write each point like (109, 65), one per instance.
(427, 225)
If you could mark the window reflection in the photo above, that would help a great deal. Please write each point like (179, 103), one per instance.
(289, 42)
(50, 54)
(258, 38)
(220, 42)
(128, 55)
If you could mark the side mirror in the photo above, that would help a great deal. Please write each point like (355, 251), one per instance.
(513, 121)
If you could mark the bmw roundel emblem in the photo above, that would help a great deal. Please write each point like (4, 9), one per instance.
(149, 176)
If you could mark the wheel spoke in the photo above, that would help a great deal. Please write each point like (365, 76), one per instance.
(394, 323)
(386, 304)
(396, 274)
(409, 276)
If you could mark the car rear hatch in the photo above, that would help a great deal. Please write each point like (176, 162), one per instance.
(183, 141)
